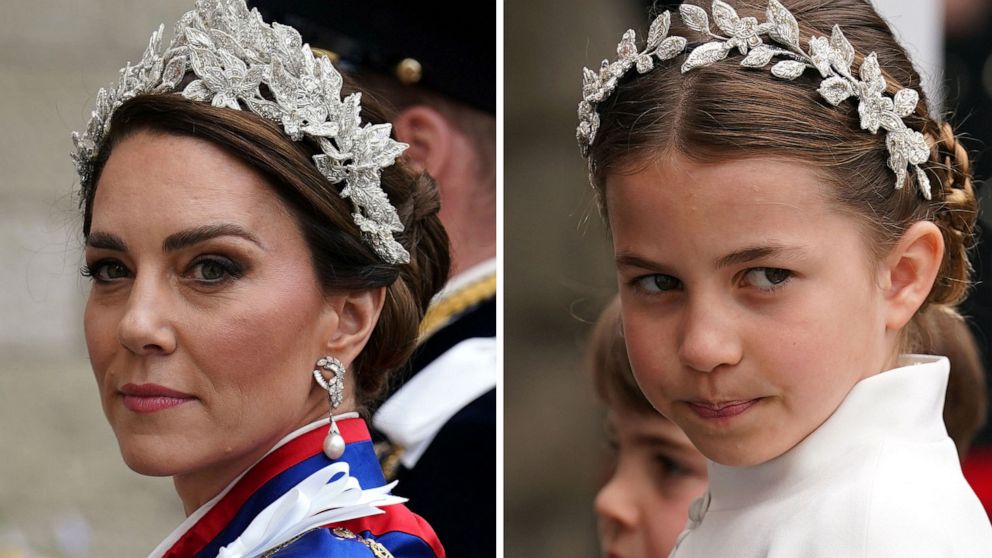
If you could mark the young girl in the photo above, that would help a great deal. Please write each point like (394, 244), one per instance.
(784, 211)
(657, 471)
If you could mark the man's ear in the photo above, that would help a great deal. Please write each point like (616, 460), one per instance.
(909, 272)
(430, 136)
(354, 317)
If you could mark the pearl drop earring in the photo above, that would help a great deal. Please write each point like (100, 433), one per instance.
(334, 442)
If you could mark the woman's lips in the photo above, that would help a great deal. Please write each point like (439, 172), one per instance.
(149, 398)
(723, 410)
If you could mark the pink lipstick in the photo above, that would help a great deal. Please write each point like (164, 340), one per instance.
(149, 398)
(723, 410)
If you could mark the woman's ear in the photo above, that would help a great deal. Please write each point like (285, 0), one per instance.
(356, 314)
(909, 272)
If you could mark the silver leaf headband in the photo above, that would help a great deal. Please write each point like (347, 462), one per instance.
(232, 52)
(831, 57)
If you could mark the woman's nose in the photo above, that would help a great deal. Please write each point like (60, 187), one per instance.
(145, 327)
(615, 507)
(709, 338)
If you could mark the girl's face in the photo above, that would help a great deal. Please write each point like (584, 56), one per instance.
(644, 505)
(750, 304)
(205, 316)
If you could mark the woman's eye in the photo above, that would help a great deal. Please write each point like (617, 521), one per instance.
(767, 278)
(105, 271)
(657, 283)
(212, 270)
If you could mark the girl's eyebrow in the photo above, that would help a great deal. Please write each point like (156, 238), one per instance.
(629, 259)
(106, 241)
(757, 252)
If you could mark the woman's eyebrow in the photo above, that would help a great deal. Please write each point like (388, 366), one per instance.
(190, 237)
(106, 241)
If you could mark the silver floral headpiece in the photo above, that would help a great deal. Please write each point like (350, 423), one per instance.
(232, 51)
(831, 57)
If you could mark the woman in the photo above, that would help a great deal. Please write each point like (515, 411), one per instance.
(259, 260)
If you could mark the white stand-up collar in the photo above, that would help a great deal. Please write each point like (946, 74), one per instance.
(904, 403)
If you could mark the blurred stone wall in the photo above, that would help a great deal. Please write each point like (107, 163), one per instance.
(558, 274)
(64, 490)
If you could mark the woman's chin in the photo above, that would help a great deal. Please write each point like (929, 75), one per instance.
(153, 460)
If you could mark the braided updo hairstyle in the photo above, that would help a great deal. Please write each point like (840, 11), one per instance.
(725, 111)
(341, 259)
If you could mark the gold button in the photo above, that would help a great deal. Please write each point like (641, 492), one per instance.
(409, 71)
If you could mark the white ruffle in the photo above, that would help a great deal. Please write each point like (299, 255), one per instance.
(316, 501)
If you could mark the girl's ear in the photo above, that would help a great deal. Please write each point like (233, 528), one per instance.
(909, 272)
(352, 317)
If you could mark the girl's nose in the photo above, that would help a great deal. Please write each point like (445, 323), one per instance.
(709, 338)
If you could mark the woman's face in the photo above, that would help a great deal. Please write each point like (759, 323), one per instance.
(205, 316)
(657, 474)
(750, 305)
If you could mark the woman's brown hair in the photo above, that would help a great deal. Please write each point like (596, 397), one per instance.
(341, 259)
(725, 111)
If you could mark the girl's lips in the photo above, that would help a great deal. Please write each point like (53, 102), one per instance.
(149, 398)
(709, 410)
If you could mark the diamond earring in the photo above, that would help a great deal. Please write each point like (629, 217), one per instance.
(334, 442)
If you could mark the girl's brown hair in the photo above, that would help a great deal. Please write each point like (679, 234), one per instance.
(341, 259)
(725, 111)
(612, 376)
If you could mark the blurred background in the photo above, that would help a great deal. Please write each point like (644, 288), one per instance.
(64, 490)
(558, 269)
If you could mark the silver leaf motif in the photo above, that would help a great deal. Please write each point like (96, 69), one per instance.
(725, 17)
(704, 55)
(670, 48)
(835, 90)
(658, 30)
(695, 18)
(231, 51)
(786, 28)
(841, 51)
(759, 57)
(905, 101)
(788, 69)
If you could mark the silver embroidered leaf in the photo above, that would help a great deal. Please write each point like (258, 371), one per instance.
(788, 69)
(835, 90)
(695, 18)
(819, 53)
(759, 57)
(705, 54)
(922, 182)
(725, 17)
(786, 29)
(905, 101)
(670, 48)
(658, 30)
(841, 51)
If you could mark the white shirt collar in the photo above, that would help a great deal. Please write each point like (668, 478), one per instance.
(902, 403)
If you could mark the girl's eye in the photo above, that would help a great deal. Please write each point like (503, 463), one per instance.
(657, 283)
(105, 271)
(767, 278)
(214, 270)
